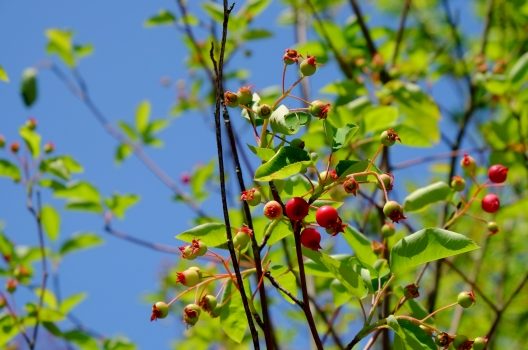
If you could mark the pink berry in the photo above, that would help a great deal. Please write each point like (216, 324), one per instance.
(273, 210)
(490, 203)
(311, 239)
(497, 173)
(297, 208)
(326, 216)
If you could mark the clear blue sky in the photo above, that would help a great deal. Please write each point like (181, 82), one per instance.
(126, 67)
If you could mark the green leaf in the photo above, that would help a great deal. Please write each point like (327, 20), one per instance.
(361, 245)
(409, 335)
(60, 43)
(253, 7)
(380, 118)
(119, 203)
(142, 116)
(28, 86)
(284, 122)
(71, 302)
(51, 222)
(233, 317)
(214, 10)
(264, 154)
(345, 270)
(48, 297)
(61, 166)
(81, 51)
(128, 130)
(81, 196)
(119, 343)
(342, 135)
(9, 169)
(286, 162)
(428, 245)
(422, 197)
(519, 73)
(32, 140)
(256, 33)
(9, 328)
(123, 151)
(199, 179)
(163, 17)
(212, 233)
(286, 279)
(79, 241)
(347, 166)
(3, 74)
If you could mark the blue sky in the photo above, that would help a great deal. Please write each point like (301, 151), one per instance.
(125, 69)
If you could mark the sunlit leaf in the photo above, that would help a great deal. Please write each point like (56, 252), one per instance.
(213, 234)
(51, 222)
(9, 169)
(80, 241)
(286, 162)
(422, 197)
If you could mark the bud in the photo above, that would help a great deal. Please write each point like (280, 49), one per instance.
(458, 183)
(319, 109)
(411, 291)
(159, 310)
(308, 66)
(291, 56)
(245, 95)
(230, 99)
(389, 137)
(191, 314)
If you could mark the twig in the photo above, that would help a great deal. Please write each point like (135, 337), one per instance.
(154, 246)
(281, 288)
(401, 29)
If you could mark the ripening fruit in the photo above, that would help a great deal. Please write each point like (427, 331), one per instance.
(15, 147)
(468, 164)
(490, 203)
(466, 299)
(458, 183)
(273, 210)
(242, 237)
(159, 310)
(290, 56)
(297, 208)
(308, 66)
(319, 109)
(191, 314)
(497, 173)
(351, 185)
(394, 211)
(311, 238)
(245, 95)
(389, 137)
(49, 147)
(190, 277)
(230, 99)
(251, 196)
(208, 303)
(326, 216)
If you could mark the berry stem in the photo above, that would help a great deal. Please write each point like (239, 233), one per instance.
(438, 310)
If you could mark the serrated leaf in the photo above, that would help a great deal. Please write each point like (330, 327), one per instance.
(286, 162)
(8, 169)
(81, 195)
(284, 122)
(342, 135)
(422, 197)
(28, 87)
(119, 203)
(51, 222)
(233, 317)
(519, 73)
(61, 166)
(212, 234)
(142, 116)
(32, 140)
(163, 17)
(3, 75)
(428, 245)
(80, 241)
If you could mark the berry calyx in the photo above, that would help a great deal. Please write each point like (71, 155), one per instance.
(159, 310)
(291, 56)
(245, 95)
(443, 339)
(387, 230)
(242, 237)
(459, 341)
(468, 164)
(192, 251)
(264, 111)
(394, 211)
(208, 303)
(377, 247)
(31, 123)
(326, 216)
(490, 203)
(351, 186)
(311, 238)
(336, 227)
(191, 314)
(458, 183)
(411, 291)
(497, 173)
(388, 181)
(297, 208)
(466, 299)
(273, 210)
(308, 66)
(190, 277)
(230, 99)
(319, 109)
(251, 196)
(493, 227)
(389, 137)
(15, 147)
(479, 343)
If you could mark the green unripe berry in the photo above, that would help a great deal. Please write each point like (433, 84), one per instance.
(159, 310)
(264, 111)
(319, 109)
(493, 227)
(208, 303)
(245, 95)
(394, 211)
(389, 137)
(468, 164)
(298, 143)
(479, 343)
(251, 196)
(466, 299)
(191, 314)
(459, 340)
(308, 66)
(241, 238)
(458, 183)
(387, 230)
(190, 277)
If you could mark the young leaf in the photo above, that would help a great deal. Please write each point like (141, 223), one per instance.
(427, 245)
(163, 17)
(28, 86)
(199, 179)
(422, 197)
(32, 140)
(285, 163)
(342, 135)
(10, 170)
(60, 43)
(61, 166)
(212, 234)
(3, 75)
(142, 116)
(119, 203)
(50, 221)
(519, 73)
(233, 317)
(80, 241)
(81, 196)
(284, 122)
(70, 302)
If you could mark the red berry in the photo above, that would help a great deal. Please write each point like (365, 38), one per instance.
(297, 208)
(273, 210)
(497, 173)
(490, 203)
(15, 147)
(159, 310)
(326, 216)
(310, 238)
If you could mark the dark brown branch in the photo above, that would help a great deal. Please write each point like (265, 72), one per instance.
(285, 291)
(154, 246)
(401, 29)
(218, 79)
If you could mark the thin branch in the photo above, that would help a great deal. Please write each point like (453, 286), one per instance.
(154, 246)
(401, 29)
(285, 291)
